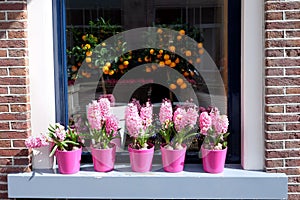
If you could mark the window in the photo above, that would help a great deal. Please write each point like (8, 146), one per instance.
(214, 25)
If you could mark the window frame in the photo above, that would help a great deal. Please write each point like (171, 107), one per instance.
(252, 87)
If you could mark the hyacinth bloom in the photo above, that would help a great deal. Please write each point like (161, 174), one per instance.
(104, 125)
(183, 118)
(138, 120)
(215, 127)
(36, 141)
(165, 112)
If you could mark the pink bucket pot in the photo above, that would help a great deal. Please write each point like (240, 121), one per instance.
(68, 161)
(141, 159)
(104, 159)
(213, 160)
(173, 160)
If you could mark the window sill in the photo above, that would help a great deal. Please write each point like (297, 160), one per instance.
(192, 183)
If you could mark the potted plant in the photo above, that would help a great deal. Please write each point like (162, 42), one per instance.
(67, 148)
(138, 120)
(40, 148)
(176, 128)
(104, 127)
(214, 127)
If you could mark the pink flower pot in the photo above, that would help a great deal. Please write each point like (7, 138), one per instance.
(141, 159)
(104, 159)
(68, 161)
(213, 160)
(173, 160)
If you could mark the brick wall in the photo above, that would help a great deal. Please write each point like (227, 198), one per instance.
(282, 110)
(14, 90)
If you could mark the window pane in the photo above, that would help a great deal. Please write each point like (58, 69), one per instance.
(183, 56)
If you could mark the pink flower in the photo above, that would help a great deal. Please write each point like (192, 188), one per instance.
(165, 112)
(146, 115)
(204, 122)
(60, 132)
(191, 116)
(222, 124)
(94, 115)
(214, 114)
(133, 121)
(112, 125)
(179, 119)
(104, 107)
(36, 141)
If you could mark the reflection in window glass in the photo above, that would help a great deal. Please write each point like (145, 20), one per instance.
(111, 52)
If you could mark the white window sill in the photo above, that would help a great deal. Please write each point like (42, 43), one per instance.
(192, 183)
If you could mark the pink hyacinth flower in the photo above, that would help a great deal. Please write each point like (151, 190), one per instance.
(165, 112)
(112, 124)
(94, 115)
(179, 119)
(104, 106)
(205, 122)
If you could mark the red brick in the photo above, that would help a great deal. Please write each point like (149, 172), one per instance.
(292, 163)
(20, 125)
(13, 44)
(282, 62)
(282, 6)
(277, 154)
(4, 195)
(293, 127)
(5, 143)
(3, 90)
(283, 25)
(274, 72)
(17, 34)
(282, 118)
(294, 108)
(14, 170)
(19, 90)
(16, 15)
(13, 81)
(14, 116)
(14, 152)
(293, 196)
(14, 99)
(282, 99)
(19, 143)
(3, 72)
(293, 52)
(282, 81)
(293, 90)
(20, 108)
(282, 43)
(18, 71)
(292, 34)
(14, 62)
(13, 25)
(274, 16)
(3, 187)
(2, 35)
(292, 15)
(292, 71)
(274, 163)
(274, 109)
(3, 178)
(13, 6)
(22, 161)
(3, 53)
(293, 188)
(271, 91)
(4, 126)
(274, 34)
(4, 108)
(2, 15)
(14, 134)
(274, 53)
(288, 171)
(274, 145)
(274, 127)
(17, 53)
(282, 136)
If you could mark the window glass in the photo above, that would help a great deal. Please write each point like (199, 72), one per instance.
(147, 50)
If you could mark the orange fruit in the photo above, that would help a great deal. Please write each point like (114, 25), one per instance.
(183, 86)
(140, 60)
(192, 73)
(201, 51)
(87, 46)
(103, 44)
(198, 60)
(168, 62)
(111, 72)
(161, 63)
(126, 63)
(166, 57)
(121, 59)
(182, 32)
(108, 64)
(179, 37)
(158, 55)
(200, 45)
(173, 64)
(74, 68)
(177, 60)
(172, 48)
(186, 74)
(88, 59)
(148, 69)
(154, 67)
(172, 86)
(83, 37)
(161, 51)
(159, 30)
(151, 51)
(121, 67)
(179, 81)
(88, 53)
(188, 53)
(105, 70)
